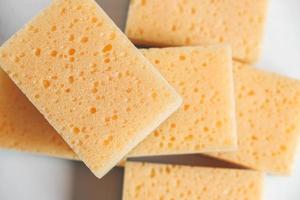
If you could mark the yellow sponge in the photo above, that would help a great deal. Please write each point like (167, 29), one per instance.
(145, 181)
(92, 85)
(206, 120)
(268, 120)
(239, 23)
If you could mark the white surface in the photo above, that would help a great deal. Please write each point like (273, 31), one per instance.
(29, 177)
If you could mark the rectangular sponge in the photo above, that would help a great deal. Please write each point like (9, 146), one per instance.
(145, 181)
(239, 23)
(91, 84)
(268, 120)
(206, 120)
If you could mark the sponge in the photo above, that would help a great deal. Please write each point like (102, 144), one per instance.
(206, 120)
(199, 22)
(91, 84)
(145, 181)
(268, 120)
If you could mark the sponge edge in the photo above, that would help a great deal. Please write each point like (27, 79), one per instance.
(85, 62)
(268, 120)
(199, 22)
(206, 121)
(143, 181)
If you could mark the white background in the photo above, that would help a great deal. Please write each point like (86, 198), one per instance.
(29, 177)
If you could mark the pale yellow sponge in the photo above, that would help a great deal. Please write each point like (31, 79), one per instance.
(145, 181)
(206, 120)
(268, 120)
(239, 23)
(23, 128)
(92, 85)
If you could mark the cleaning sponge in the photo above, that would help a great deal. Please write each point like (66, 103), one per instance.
(199, 22)
(91, 84)
(206, 120)
(268, 120)
(145, 181)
